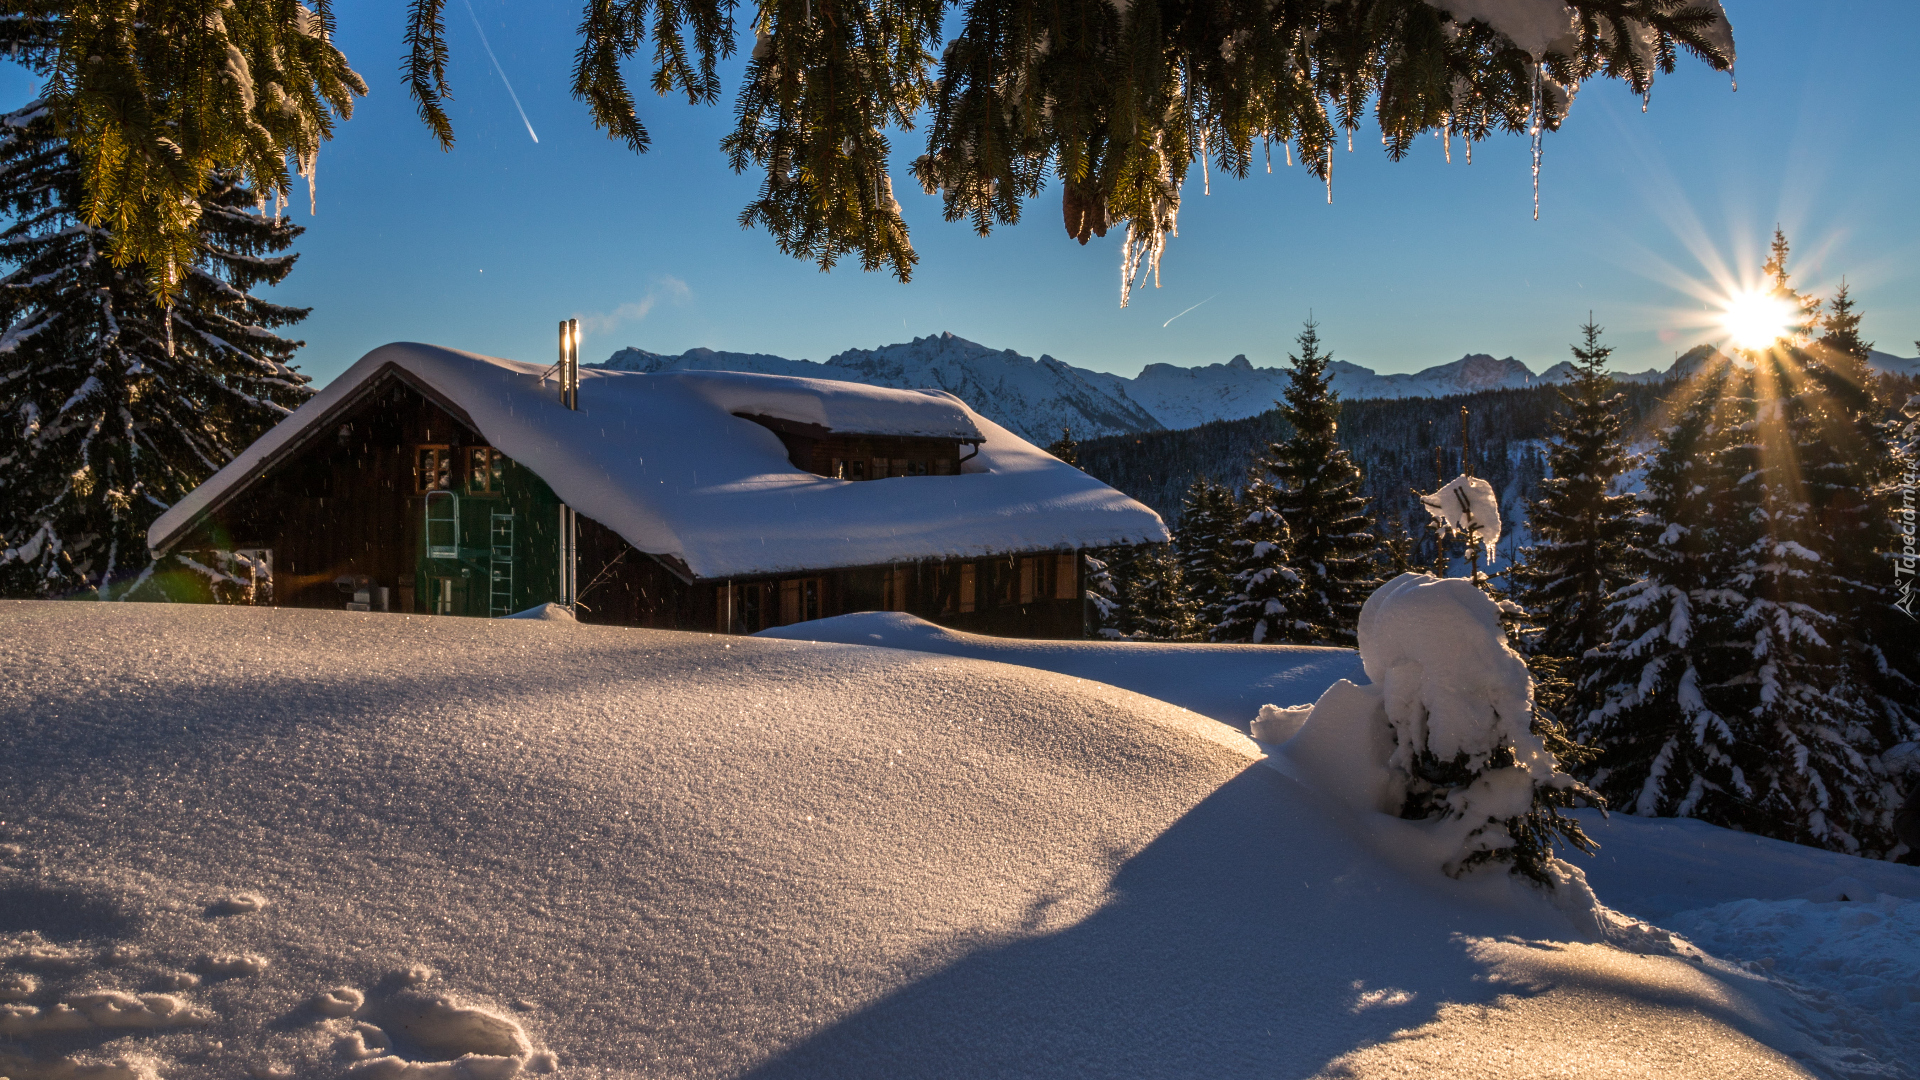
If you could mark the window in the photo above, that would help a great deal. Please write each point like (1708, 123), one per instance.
(918, 468)
(443, 596)
(443, 525)
(486, 471)
(750, 608)
(799, 600)
(1066, 576)
(1046, 577)
(432, 468)
(893, 589)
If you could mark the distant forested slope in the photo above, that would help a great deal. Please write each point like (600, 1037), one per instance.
(1393, 441)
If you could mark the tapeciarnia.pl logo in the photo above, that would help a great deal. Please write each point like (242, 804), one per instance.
(1904, 555)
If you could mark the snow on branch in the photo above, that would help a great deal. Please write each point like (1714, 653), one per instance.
(1466, 506)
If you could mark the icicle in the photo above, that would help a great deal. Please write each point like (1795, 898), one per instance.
(1446, 139)
(169, 319)
(1734, 78)
(1538, 127)
(1329, 174)
(1646, 97)
(1349, 140)
(1268, 144)
(1206, 181)
(1288, 147)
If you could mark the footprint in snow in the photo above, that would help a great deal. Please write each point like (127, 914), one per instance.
(232, 965)
(244, 903)
(426, 1035)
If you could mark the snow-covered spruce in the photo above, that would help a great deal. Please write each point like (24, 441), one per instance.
(1155, 605)
(1790, 693)
(1444, 735)
(1266, 588)
(1204, 541)
(1102, 595)
(112, 407)
(1663, 750)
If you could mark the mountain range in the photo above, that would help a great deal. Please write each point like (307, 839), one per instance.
(1038, 397)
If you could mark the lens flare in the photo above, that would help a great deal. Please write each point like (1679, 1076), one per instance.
(1755, 318)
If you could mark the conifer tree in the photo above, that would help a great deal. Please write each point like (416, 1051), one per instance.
(1266, 588)
(1792, 692)
(113, 406)
(1104, 609)
(1580, 527)
(1857, 446)
(1157, 605)
(1394, 556)
(1209, 522)
(1840, 327)
(1316, 491)
(1065, 448)
(1663, 749)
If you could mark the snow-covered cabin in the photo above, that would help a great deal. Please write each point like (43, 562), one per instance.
(430, 480)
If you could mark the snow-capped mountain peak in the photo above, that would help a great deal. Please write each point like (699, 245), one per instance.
(1037, 397)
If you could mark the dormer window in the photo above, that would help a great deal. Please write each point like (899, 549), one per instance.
(853, 456)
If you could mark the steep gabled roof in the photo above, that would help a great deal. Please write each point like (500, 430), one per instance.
(664, 461)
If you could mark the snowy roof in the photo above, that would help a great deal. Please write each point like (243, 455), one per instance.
(662, 460)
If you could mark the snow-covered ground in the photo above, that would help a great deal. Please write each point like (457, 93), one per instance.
(1227, 683)
(286, 843)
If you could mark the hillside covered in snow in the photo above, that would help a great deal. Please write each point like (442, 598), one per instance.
(283, 843)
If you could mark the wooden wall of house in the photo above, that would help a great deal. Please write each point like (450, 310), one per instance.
(348, 505)
(1037, 595)
(622, 586)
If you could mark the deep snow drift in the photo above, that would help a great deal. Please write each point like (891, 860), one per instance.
(298, 843)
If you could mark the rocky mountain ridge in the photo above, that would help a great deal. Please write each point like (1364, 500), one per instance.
(1037, 397)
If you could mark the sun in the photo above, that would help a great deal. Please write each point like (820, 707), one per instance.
(1756, 318)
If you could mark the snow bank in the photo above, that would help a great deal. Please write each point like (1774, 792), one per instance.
(1446, 693)
(547, 612)
(661, 460)
(1467, 506)
(1228, 683)
(487, 847)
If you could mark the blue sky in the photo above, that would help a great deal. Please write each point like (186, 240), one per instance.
(1413, 264)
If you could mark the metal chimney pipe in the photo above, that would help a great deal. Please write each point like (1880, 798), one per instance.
(568, 366)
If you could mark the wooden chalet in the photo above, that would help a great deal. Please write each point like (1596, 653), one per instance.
(431, 481)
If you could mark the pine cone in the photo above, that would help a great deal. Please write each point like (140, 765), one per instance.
(1085, 211)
